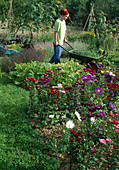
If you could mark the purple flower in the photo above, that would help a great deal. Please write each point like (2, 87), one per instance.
(98, 107)
(112, 93)
(99, 128)
(91, 134)
(98, 115)
(91, 149)
(102, 114)
(86, 77)
(46, 86)
(95, 80)
(75, 95)
(98, 90)
(108, 77)
(82, 118)
(90, 114)
(91, 109)
(90, 104)
(59, 68)
(111, 105)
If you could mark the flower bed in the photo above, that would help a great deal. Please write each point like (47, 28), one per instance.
(84, 113)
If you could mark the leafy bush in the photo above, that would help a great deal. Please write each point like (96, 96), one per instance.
(36, 69)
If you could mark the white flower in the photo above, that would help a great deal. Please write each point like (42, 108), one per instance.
(60, 86)
(92, 119)
(70, 124)
(51, 116)
(78, 116)
(62, 91)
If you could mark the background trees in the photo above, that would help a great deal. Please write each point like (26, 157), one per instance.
(37, 14)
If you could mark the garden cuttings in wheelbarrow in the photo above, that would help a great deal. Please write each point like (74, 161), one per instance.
(89, 61)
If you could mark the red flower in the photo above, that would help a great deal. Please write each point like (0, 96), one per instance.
(42, 78)
(76, 134)
(78, 139)
(111, 114)
(71, 140)
(115, 121)
(56, 101)
(67, 98)
(72, 131)
(41, 87)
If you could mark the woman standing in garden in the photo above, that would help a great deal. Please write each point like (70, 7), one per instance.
(59, 35)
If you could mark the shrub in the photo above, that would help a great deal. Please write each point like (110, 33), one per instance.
(24, 56)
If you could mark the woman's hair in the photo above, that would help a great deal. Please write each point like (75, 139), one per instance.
(63, 11)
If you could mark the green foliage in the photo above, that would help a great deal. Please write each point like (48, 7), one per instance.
(36, 69)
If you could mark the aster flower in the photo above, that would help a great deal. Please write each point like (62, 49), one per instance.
(98, 107)
(92, 119)
(91, 134)
(70, 124)
(99, 128)
(90, 114)
(83, 118)
(111, 105)
(108, 140)
(91, 109)
(102, 114)
(98, 90)
(102, 158)
(90, 104)
(75, 95)
(103, 141)
(86, 77)
(108, 77)
(91, 149)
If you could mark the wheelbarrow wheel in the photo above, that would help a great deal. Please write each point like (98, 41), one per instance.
(93, 66)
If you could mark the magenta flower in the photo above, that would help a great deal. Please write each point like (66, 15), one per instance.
(90, 104)
(98, 107)
(91, 149)
(91, 134)
(102, 114)
(30, 87)
(91, 109)
(102, 158)
(99, 128)
(103, 141)
(98, 90)
(111, 105)
(108, 140)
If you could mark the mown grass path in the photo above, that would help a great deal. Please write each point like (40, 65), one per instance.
(19, 144)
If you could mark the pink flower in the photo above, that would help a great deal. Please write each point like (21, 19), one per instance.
(63, 116)
(103, 141)
(117, 126)
(30, 87)
(111, 114)
(108, 140)
(102, 158)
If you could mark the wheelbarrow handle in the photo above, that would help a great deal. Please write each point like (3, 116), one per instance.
(70, 45)
(65, 49)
